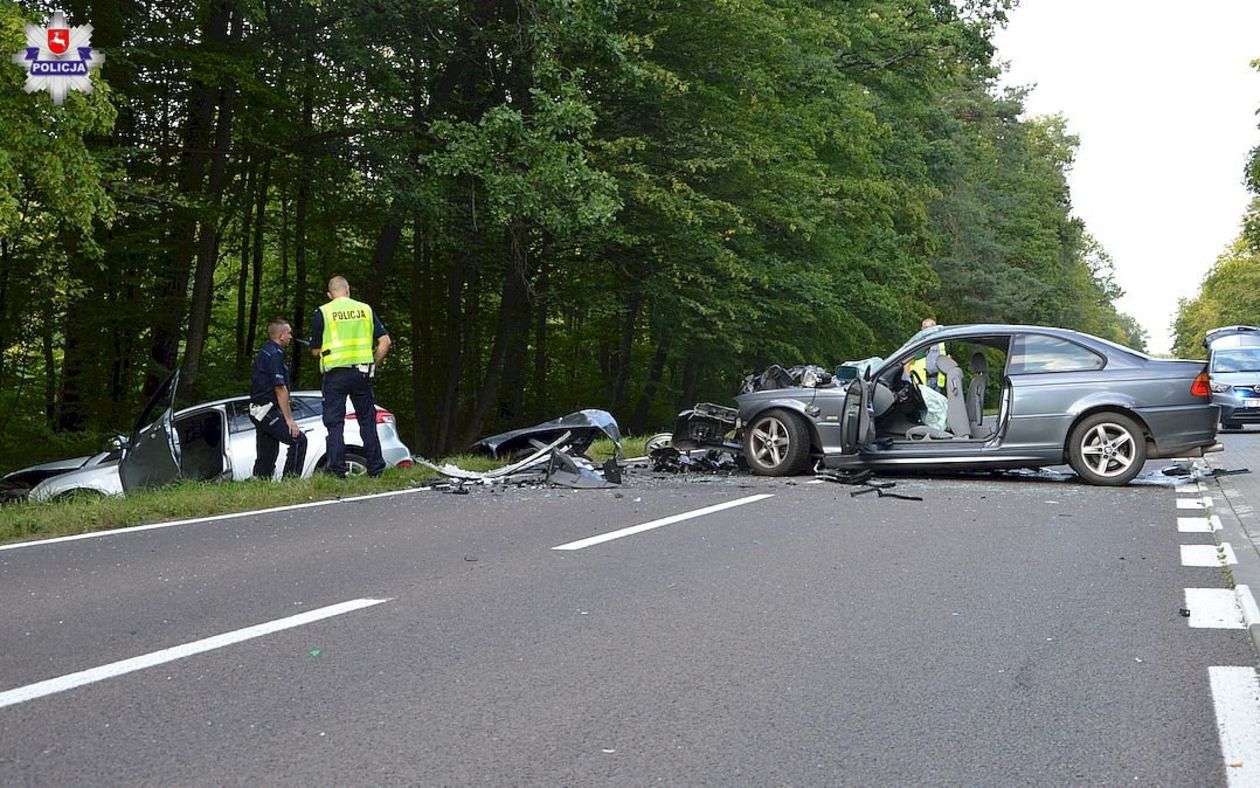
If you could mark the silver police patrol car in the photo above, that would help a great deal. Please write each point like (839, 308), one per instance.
(1234, 366)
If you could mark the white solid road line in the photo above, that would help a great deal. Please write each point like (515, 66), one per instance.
(1236, 695)
(676, 518)
(1198, 525)
(72, 680)
(1208, 555)
(137, 528)
(1215, 608)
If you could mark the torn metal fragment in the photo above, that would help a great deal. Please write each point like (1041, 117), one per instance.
(582, 428)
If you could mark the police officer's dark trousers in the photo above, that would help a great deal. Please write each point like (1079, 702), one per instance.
(271, 432)
(340, 383)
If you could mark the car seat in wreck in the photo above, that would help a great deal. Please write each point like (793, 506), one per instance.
(958, 426)
(975, 395)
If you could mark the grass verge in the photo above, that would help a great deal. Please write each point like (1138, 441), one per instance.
(185, 500)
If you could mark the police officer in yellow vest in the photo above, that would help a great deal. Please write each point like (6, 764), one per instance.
(922, 369)
(343, 335)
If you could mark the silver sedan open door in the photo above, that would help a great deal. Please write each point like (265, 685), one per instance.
(151, 456)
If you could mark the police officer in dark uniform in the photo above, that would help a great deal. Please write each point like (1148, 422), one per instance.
(349, 340)
(269, 407)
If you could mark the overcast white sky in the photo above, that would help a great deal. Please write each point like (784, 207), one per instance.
(1164, 101)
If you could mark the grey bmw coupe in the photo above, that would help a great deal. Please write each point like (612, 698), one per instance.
(1001, 396)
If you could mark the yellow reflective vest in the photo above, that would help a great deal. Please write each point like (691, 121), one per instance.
(347, 337)
(918, 369)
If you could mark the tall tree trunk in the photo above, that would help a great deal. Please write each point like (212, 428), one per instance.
(512, 396)
(242, 281)
(260, 225)
(456, 332)
(299, 231)
(172, 298)
(538, 387)
(284, 254)
(6, 265)
(515, 292)
(687, 395)
(208, 240)
(50, 379)
(419, 345)
(382, 261)
(638, 421)
(621, 358)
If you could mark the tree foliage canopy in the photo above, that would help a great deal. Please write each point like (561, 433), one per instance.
(553, 204)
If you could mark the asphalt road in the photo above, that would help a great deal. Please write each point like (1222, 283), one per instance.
(1000, 631)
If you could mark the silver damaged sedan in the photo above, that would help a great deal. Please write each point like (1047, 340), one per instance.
(1002, 396)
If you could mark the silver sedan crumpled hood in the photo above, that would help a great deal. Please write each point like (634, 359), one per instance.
(102, 478)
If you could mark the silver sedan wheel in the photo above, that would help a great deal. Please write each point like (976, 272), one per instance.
(355, 465)
(770, 441)
(1108, 449)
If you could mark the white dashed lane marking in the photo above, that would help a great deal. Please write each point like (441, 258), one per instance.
(72, 680)
(648, 526)
(1208, 554)
(1236, 696)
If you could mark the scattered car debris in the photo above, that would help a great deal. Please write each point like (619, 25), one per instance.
(1217, 472)
(582, 428)
(705, 426)
(575, 472)
(667, 459)
(881, 490)
(557, 456)
(863, 477)
(807, 376)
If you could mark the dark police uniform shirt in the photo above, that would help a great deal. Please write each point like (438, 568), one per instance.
(269, 371)
(317, 329)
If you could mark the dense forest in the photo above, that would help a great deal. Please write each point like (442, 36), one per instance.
(1230, 292)
(553, 204)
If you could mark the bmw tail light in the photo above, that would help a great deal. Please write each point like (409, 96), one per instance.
(382, 416)
(1200, 387)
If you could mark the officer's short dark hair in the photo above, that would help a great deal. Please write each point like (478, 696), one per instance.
(274, 325)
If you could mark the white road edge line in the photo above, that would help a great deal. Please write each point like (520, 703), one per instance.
(1215, 608)
(1208, 555)
(92, 675)
(676, 518)
(1236, 696)
(1199, 525)
(1195, 503)
(231, 516)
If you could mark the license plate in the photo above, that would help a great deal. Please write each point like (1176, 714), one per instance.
(1251, 403)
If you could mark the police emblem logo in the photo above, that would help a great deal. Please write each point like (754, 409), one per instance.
(58, 58)
(58, 40)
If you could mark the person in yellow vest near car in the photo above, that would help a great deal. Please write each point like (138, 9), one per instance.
(349, 340)
(922, 369)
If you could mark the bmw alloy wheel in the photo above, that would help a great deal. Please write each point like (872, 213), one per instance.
(1109, 449)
